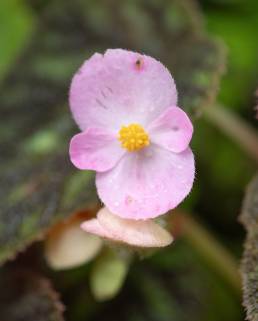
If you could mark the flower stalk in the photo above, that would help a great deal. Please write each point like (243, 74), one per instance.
(217, 256)
(234, 127)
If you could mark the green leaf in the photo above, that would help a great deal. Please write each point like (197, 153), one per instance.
(108, 275)
(16, 23)
(29, 297)
(249, 218)
(38, 183)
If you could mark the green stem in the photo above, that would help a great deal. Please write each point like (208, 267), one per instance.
(219, 258)
(234, 127)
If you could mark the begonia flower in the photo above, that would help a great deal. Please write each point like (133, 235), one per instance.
(133, 135)
(137, 233)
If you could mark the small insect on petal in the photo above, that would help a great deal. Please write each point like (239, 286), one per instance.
(139, 63)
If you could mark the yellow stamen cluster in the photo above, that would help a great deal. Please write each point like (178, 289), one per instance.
(133, 137)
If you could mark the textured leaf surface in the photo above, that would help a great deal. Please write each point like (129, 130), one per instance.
(249, 217)
(28, 297)
(38, 183)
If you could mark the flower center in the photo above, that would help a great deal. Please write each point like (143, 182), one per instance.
(133, 137)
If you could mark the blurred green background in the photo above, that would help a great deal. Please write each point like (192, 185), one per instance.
(181, 282)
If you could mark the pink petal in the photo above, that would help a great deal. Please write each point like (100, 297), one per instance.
(147, 184)
(120, 87)
(94, 227)
(95, 149)
(172, 130)
(135, 233)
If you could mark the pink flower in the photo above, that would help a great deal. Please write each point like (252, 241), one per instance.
(146, 234)
(133, 134)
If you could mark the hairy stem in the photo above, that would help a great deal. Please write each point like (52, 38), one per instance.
(234, 127)
(218, 257)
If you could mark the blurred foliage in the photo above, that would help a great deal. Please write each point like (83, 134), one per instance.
(174, 284)
(42, 44)
(236, 22)
(16, 26)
